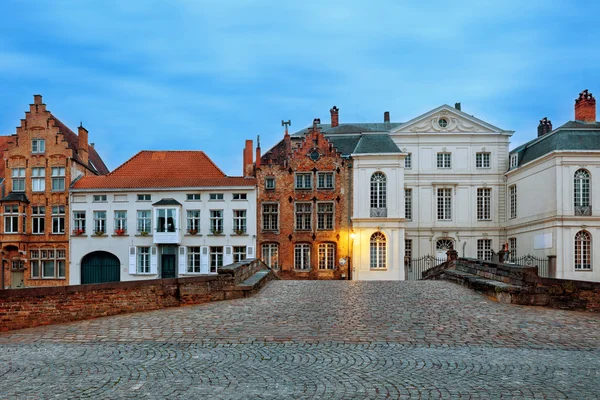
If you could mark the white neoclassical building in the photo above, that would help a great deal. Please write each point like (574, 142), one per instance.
(161, 214)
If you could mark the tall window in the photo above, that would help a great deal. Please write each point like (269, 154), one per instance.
(58, 178)
(121, 221)
(99, 222)
(38, 146)
(326, 256)
(11, 219)
(582, 192)
(512, 248)
(513, 201)
(407, 250)
(378, 251)
(325, 180)
(270, 255)
(304, 181)
(378, 195)
(18, 179)
(444, 160)
(482, 160)
(166, 220)
(143, 260)
(216, 222)
(303, 216)
(444, 204)
(239, 221)
(38, 219)
(216, 258)
(48, 263)
(193, 264)
(193, 221)
(78, 222)
(239, 253)
(513, 161)
(484, 249)
(302, 256)
(325, 216)
(408, 204)
(58, 219)
(484, 206)
(583, 251)
(38, 179)
(270, 217)
(408, 161)
(144, 221)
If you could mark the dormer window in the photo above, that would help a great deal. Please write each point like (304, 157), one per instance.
(513, 161)
(38, 146)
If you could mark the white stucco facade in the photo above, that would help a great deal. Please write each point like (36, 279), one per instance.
(172, 236)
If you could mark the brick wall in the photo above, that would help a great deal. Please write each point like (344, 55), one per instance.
(24, 308)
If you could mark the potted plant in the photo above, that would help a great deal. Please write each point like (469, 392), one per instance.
(78, 232)
(216, 231)
(99, 233)
(239, 231)
(192, 231)
(119, 232)
(144, 233)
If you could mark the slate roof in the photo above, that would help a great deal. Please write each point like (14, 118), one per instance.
(167, 202)
(12, 196)
(574, 135)
(354, 127)
(164, 169)
(372, 144)
(95, 162)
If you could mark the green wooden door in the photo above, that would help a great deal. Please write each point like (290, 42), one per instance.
(100, 267)
(168, 266)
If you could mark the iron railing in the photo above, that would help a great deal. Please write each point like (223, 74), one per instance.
(532, 261)
(414, 268)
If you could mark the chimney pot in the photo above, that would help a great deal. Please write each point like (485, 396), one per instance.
(585, 107)
(457, 106)
(248, 159)
(82, 134)
(544, 127)
(335, 116)
(386, 116)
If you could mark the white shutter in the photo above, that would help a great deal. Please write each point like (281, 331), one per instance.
(132, 263)
(250, 252)
(204, 260)
(153, 260)
(228, 256)
(182, 260)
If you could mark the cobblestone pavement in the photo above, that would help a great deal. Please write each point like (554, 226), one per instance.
(303, 339)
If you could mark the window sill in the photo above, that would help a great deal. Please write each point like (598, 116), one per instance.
(196, 234)
(301, 270)
(99, 236)
(119, 235)
(325, 188)
(240, 234)
(215, 234)
(83, 235)
(138, 235)
(58, 233)
(378, 269)
(144, 274)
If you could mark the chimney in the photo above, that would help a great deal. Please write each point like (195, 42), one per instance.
(37, 99)
(335, 117)
(585, 107)
(83, 143)
(544, 127)
(457, 106)
(386, 116)
(286, 138)
(248, 159)
(257, 152)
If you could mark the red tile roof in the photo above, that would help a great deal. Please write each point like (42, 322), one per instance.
(95, 162)
(164, 169)
(3, 146)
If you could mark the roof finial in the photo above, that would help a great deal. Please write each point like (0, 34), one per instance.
(258, 141)
(286, 124)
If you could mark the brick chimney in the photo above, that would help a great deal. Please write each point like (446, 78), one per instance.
(335, 116)
(248, 159)
(386, 116)
(257, 152)
(585, 107)
(37, 99)
(83, 144)
(544, 127)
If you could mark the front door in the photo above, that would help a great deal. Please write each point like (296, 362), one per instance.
(167, 266)
(17, 280)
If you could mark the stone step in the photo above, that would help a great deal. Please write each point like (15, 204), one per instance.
(480, 284)
(252, 285)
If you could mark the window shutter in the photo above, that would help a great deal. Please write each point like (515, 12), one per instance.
(250, 252)
(228, 256)
(132, 263)
(182, 260)
(204, 260)
(153, 260)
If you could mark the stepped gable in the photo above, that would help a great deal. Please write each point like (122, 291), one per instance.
(164, 169)
(3, 146)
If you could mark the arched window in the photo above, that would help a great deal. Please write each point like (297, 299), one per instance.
(583, 250)
(581, 192)
(378, 250)
(378, 195)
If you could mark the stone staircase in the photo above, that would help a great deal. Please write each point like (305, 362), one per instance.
(248, 276)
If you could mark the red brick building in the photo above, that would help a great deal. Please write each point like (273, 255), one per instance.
(40, 162)
(304, 203)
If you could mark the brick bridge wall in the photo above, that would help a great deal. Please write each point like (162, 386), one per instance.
(527, 287)
(24, 308)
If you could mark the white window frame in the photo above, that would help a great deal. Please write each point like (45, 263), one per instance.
(378, 251)
(302, 256)
(99, 198)
(216, 196)
(58, 220)
(408, 203)
(142, 260)
(303, 216)
(483, 159)
(325, 216)
(239, 253)
(216, 222)
(444, 204)
(216, 258)
(583, 251)
(326, 255)
(58, 179)
(514, 160)
(193, 197)
(239, 222)
(38, 179)
(240, 196)
(100, 222)
(270, 253)
(193, 221)
(38, 146)
(408, 161)
(194, 263)
(484, 249)
(325, 180)
(270, 217)
(144, 197)
(444, 160)
(56, 259)
(79, 221)
(144, 221)
(11, 218)
(513, 201)
(378, 190)
(18, 179)
(120, 220)
(303, 181)
(38, 220)
(484, 204)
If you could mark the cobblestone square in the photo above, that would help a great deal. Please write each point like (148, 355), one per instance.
(315, 339)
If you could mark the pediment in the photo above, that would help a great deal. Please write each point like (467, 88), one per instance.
(446, 119)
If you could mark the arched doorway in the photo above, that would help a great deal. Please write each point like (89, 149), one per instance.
(442, 246)
(100, 267)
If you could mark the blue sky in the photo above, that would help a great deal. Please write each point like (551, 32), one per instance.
(209, 74)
